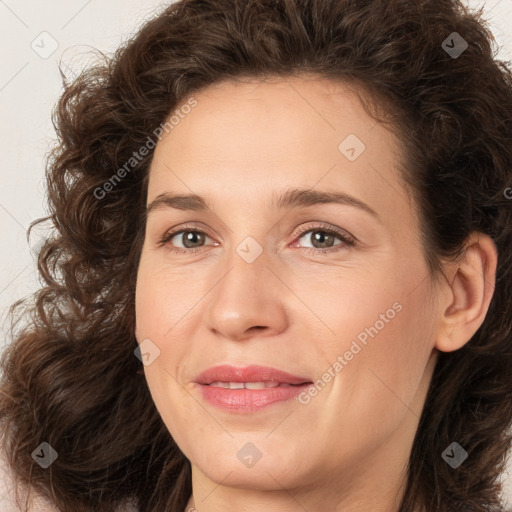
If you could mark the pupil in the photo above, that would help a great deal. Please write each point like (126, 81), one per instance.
(320, 236)
(189, 237)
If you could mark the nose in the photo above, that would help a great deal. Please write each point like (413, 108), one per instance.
(248, 300)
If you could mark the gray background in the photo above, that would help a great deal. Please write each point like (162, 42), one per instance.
(31, 84)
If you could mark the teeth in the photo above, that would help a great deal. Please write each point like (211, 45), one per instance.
(254, 385)
(257, 385)
(247, 385)
(220, 385)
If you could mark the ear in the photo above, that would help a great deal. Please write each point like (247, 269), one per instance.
(469, 293)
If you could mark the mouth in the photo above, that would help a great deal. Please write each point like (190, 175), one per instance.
(252, 385)
(248, 389)
(257, 375)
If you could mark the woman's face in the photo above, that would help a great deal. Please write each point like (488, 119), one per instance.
(256, 280)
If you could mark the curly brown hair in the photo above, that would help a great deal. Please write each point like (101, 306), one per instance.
(70, 377)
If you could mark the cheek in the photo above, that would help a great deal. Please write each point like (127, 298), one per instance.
(378, 344)
(379, 384)
(157, 311)
(164, 299)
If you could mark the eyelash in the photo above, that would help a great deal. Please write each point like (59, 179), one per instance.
(346, 240)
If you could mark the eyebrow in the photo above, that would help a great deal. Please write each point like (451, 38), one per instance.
(292, 198)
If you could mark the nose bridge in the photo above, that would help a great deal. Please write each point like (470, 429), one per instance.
(244, 296)
(244, 273)
(247, 250)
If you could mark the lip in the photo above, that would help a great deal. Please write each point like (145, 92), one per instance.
(248, 400)
(253, 373)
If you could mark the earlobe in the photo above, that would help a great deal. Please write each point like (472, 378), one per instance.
(470, 293)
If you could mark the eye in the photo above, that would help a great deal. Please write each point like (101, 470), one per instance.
(322, 238)
(191, 240)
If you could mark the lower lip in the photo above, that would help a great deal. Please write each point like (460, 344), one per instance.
(249, 400)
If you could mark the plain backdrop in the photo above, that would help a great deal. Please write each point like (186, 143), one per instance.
(34, 36)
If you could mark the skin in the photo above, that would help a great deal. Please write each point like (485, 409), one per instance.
(294, 309)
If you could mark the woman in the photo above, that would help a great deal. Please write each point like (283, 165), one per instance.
(281, 271)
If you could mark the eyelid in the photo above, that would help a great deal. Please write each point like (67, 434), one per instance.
(322, 226)
(186, 227)
(171, 233)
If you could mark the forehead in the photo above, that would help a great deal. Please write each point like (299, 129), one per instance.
(243, 141)
(272, 113)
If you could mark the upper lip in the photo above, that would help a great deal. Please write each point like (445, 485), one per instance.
(253, 373)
